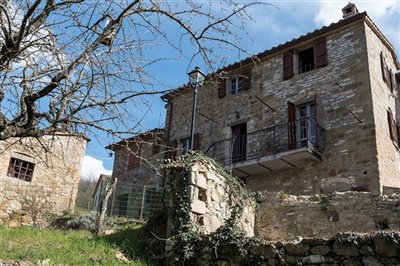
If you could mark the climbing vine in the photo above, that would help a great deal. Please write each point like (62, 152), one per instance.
(189, 243)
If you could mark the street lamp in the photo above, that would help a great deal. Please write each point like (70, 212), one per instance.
(196, 79)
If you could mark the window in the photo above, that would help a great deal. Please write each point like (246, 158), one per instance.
(21, 169)
(235, 85)
(134, 156)
(306, 60)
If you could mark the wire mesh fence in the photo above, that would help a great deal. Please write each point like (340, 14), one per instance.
(136, 201)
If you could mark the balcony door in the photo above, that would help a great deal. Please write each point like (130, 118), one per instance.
(239, 141)
(305, 124)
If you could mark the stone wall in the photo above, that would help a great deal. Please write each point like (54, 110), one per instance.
(350, 159)
(58, 161)
(377, 249)
(212, 200)
(286, 217)
(383, 100)
(147, 173)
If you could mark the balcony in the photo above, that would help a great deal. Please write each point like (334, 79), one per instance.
(274, 148)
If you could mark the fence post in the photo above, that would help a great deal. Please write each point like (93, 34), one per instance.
(113, 198)
(143, 200)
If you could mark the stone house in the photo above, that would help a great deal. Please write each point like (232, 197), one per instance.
(136, 163)
(45, 170)
(316, 114)
(99, 191)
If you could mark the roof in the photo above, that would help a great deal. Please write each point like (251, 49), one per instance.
(286, 45)
(140, 137)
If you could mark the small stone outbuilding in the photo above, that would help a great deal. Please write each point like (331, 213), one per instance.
(40, 172)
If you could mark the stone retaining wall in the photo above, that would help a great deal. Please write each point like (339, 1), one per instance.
(287, 217)
(378, 249)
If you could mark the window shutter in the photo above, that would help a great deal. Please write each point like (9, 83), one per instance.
(392, 126)
(320, 55)
(173, 146)
(391, 81)
(292, 125)
(383, 68)
(196, 141)
(221, 88)
(398, 135)
(134, 156)
(246, 80)
(287, 65)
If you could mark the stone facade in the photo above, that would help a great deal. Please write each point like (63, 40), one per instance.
(351, 102)
(288, 217)
(147, 148)
(57, 161)
(136, 163)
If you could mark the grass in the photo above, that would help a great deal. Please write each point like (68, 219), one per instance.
(65, 247)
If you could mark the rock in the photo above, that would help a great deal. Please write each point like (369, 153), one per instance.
(25, 219)
(345, 248)
(14, 205)
(4, 216)
(320, 250)
(371, 261)
(292, 260)
(386, 245)
(297, 249)
(267, 251)
(313, 259)
(15, 216)
(14, 224)
(352, 262)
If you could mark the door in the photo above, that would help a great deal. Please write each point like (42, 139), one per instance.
(239, 141)
(305, 124)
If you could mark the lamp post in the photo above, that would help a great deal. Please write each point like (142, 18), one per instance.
(196, 79)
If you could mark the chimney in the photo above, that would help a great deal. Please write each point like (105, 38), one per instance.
(349, 10)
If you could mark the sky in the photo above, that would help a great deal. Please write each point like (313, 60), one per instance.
(273, 23)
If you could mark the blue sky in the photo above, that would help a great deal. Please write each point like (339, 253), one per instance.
(273, 23)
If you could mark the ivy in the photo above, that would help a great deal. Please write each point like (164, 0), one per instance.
(188, 241)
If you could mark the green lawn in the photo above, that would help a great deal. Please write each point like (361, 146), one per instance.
(64, 247)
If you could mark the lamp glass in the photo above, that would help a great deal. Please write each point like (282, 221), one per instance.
(196, 77)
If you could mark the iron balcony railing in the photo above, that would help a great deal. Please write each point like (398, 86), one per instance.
(301, 133)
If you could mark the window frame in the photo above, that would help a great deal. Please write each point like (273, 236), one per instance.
(238, 85)
(18, 174)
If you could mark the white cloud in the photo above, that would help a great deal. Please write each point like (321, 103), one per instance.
(92, 168)
(331, 11)
(385, 14)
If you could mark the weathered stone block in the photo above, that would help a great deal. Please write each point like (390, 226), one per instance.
(198, 180)
(4, 216)
(386, 245)
(345, 248)
(198, 207)
(297, 249)
(265, 250)
(313, 259)
(320, 250)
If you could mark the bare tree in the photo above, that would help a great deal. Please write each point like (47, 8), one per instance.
(83, 65)
(38, 202)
